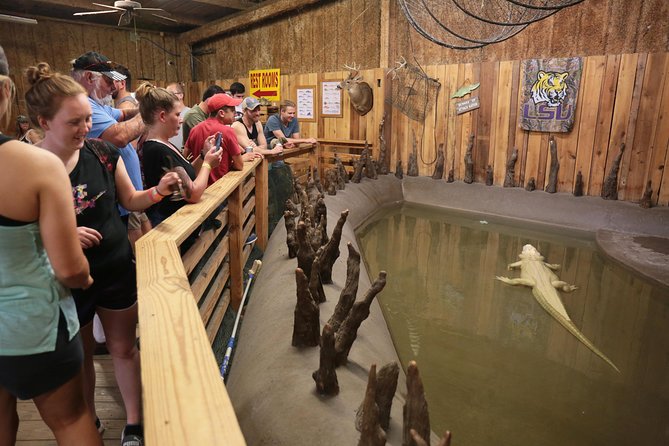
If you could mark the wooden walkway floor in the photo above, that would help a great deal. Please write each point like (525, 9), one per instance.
(33, 431)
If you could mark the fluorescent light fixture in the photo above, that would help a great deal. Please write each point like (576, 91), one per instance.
(16, 19)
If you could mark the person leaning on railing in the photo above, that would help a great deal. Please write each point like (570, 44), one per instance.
(60, 106)
(40, 347)
(160, 110)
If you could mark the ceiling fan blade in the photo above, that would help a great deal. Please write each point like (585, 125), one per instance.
(17, 19)
(109, 6)
(95, 12)
(149, 9)
(165, 18)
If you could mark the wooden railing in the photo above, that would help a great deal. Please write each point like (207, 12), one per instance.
(182, 301)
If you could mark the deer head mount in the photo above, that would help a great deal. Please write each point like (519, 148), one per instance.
(359, 91)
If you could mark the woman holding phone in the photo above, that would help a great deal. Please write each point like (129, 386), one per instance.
(160, 111)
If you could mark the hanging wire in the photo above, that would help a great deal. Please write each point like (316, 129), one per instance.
(469, 24)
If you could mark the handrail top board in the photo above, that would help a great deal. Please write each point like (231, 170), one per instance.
(301, 149)
(184, 221)
(344, 142)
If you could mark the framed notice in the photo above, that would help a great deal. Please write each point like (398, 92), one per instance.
(306, 110)
(330, 100)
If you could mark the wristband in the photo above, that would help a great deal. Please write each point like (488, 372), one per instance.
(206, 164)
(158, 192)
(155, 196)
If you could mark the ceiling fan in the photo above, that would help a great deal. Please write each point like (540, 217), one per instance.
(127, 9)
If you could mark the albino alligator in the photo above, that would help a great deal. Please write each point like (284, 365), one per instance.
(535, 273)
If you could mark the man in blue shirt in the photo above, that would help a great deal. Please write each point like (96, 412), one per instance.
(284, 125)
(96, 74)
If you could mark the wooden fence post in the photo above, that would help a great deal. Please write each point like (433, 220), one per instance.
(262, 204)
(235, 231)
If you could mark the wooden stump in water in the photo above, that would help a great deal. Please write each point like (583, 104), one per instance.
(321, 211)
(416, 415)
(350, 290)
(647, 200)
(578, 185)
(451, 176)
(418, 440)
(331, 177)
(511, 169)
(384, 161)
(488, 175)
(386, 385)
(291, 235)
(610, 187)
(371, 433)
(341, 170)
(326, 375)
(306, 323)
(398, 170)
(469, 161)
(551, 187)
(331, 251)
(439, 167)
(305, 252)
(531, 185)
(412, 165)
(348, 331)
(370, 167)
(315, 284)
(357, 170)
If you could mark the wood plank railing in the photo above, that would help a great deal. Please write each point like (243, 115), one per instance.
(182, 301)
(348, 152)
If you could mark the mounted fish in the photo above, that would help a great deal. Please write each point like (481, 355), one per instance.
(539, 275)
(359, 91)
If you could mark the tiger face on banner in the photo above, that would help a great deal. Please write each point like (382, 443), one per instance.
(550, 88)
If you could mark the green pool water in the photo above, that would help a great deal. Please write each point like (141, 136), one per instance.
(497, 368)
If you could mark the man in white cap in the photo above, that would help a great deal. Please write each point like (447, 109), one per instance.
(96, 74)
(249, 131)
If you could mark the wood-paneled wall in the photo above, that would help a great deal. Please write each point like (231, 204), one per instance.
(58, 42)
(589, 28)
(622, 99)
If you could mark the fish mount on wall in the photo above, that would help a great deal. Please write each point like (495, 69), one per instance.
(359, 91)
(468, 104)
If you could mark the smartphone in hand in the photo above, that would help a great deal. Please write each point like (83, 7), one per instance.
(217, 144)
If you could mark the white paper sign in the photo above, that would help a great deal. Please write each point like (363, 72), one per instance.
(331, 99)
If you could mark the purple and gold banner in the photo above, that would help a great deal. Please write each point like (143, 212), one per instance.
(550, 89)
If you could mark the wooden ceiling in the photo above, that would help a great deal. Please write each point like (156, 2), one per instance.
(189, 14)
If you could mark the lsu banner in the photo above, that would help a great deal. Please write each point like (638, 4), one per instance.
(550, 88)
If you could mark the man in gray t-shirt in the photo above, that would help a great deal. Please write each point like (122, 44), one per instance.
(284, 125)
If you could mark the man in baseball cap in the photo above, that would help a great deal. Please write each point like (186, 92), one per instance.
(249, 131)
(221, 115)
(93, 61)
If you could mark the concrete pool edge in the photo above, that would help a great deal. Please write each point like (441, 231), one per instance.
(270, 383)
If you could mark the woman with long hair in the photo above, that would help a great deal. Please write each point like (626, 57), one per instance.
(161, 113)
(59, 105)
(40, 347)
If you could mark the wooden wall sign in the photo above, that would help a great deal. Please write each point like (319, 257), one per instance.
(467, 105)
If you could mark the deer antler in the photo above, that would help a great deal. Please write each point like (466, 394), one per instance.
(354, 70)
(400, 64)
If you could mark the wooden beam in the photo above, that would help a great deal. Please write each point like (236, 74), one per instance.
(232, 4)
(264, 11)
(85, 5)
